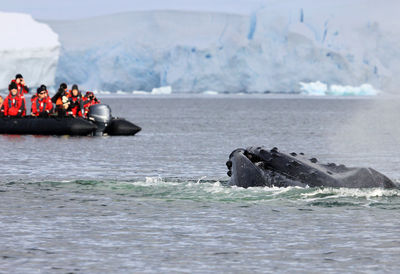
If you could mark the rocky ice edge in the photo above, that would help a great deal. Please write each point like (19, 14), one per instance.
(346, 43)
(27, 47)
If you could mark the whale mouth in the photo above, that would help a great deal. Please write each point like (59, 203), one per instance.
(247, 169)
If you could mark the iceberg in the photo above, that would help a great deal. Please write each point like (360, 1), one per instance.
(162, 90)
(321, 89)
(341, 42)
(363, 90)
(27, 47)
(314, 88)
(210, 92)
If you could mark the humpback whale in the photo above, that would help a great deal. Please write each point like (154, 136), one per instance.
(258, 166)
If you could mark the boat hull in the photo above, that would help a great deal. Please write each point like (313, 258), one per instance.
(64, 126)
(46, 126)
(121, 127)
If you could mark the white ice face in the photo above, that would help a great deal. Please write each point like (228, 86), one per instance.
(339, 43)
(27, 47)
(342, 43)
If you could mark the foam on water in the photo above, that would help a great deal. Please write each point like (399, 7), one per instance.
(211, 190)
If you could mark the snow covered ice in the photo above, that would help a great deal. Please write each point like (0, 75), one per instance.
(349, 46)
(274, 49)
(27, 47)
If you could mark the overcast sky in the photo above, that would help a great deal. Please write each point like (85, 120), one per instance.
(72, 9)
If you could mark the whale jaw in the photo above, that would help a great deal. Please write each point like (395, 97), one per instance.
(244, 173)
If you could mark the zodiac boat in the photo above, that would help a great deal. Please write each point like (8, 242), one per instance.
(99, 123)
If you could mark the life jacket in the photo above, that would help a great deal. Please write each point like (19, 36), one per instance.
(33, 98)
(21, 91)
(76, 105)
(59, 102)
(41, 106)
(87, 103)
(13, 106)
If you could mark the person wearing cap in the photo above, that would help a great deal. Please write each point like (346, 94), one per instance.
(75, 103)
(89, 100)
(33, 98)
(14, 104)
(41, 105)
(62, 91)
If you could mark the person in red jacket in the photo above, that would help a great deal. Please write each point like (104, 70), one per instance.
(21, 86)
(41, 105)
(13, 105)
(33, 98)
(89, 100)
(75, 102)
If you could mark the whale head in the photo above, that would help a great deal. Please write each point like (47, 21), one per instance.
(258, 166)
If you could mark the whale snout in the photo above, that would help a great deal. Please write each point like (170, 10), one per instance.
(243, 172)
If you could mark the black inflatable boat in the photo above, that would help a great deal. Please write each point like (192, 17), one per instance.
(99, 122)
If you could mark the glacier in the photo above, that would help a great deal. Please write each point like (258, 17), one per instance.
(27, 47)
(274, 49)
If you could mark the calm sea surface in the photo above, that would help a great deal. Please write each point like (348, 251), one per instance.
(158, 202)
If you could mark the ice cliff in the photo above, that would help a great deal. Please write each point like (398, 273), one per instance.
(27, 47)
(279, 46)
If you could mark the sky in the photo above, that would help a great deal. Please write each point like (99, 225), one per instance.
(75, 9)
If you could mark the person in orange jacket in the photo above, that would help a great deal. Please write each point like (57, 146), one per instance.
(60, 100)
(14, 104)
(1, 101)
(41, 105)
(75, 107)
(89, 100)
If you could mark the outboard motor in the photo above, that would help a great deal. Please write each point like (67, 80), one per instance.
(101, 115)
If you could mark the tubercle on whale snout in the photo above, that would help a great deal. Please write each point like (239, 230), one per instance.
(267, 159)
(252, 157)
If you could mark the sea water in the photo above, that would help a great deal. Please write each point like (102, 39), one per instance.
(159, 201)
